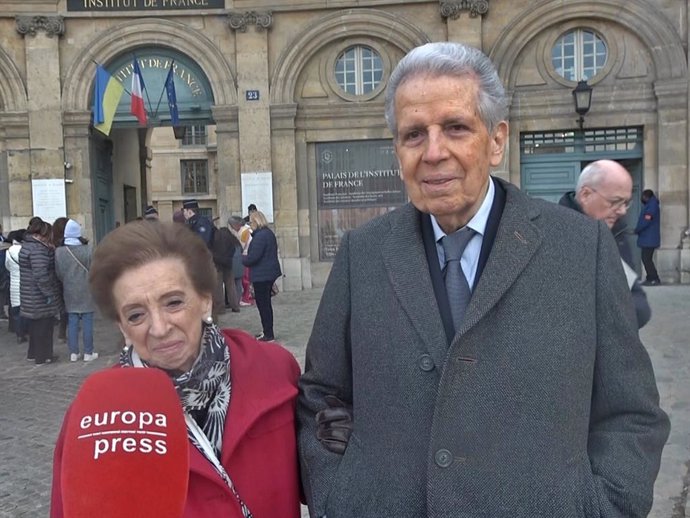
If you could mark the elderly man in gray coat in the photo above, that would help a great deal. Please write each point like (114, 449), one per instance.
(475, 352)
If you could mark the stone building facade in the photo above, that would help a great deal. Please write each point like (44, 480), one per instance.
(282, 103)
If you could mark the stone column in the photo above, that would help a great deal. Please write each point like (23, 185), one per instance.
(464, 28)
(43, 92)
(672, 124)
(288, 230)
(252, 75)
(15, 130)
(227, 152)
(79, 186)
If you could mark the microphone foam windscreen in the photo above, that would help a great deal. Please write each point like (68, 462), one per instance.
(126, 452)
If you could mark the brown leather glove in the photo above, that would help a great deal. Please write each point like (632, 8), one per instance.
(334, 425)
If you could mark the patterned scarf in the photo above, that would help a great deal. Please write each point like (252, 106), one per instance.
(204, 392)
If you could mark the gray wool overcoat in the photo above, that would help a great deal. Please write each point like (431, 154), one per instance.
(544, 405)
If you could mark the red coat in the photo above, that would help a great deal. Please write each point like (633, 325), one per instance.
(259, 446)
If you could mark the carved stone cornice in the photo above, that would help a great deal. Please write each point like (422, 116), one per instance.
(239, 21)
(52, 25)
(452, 8)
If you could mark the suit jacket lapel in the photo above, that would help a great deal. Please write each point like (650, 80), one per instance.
(517, 239)
(408, 272)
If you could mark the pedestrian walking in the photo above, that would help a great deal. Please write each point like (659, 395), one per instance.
(262, 258)
(649, 235)
(72, 264)
(4, 278)
(58, 236)
(151, 213)
(17, 324)
(223, 252)
(604, 192)
(200, 224)
(39, 294)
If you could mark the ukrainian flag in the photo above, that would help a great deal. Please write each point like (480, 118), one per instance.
(106, 96)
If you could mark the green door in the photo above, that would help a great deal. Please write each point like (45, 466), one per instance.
(550, 164)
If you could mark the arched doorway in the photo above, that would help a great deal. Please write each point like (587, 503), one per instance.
(120, 162)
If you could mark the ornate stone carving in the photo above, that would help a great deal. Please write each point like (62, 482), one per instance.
(52, 25)
(452, 8)
(239, 21)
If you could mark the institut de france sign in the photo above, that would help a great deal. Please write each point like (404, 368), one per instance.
(142, 5)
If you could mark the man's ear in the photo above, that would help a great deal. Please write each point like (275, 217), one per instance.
(499, 139)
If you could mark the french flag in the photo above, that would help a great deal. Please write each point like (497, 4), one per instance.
(137, 107)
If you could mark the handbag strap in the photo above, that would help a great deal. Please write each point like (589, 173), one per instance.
(78, 261)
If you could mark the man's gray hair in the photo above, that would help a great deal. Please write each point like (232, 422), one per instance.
(455, 60)
(590, 176)
(235, 220)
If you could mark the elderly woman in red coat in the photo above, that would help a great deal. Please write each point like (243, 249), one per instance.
(156, 281)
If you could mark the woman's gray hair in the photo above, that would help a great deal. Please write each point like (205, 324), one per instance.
(455, 60)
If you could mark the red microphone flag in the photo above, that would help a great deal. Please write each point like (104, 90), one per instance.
(126, 452)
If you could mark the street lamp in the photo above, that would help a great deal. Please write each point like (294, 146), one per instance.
(582, 95)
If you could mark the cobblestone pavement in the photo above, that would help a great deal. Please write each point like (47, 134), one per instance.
(33, 399)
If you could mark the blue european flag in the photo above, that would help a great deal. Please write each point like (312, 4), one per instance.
(172, 97)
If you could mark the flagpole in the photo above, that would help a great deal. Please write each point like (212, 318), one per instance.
(163, 90)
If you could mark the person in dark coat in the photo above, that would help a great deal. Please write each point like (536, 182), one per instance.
(649, 235)
(262, 258)
(39, 291)
(223, 252)
(201, 225)
(151, 213)
(58, 236)
(603, 192)
(540, 401)
(4, 280)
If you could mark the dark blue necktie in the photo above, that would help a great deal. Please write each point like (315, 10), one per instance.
(457, 288)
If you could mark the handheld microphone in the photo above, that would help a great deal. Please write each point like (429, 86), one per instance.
(126, 451)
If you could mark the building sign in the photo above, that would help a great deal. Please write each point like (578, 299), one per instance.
(257, 188)
(358, 174)
(356, 181)
(142, 5)
(161, 64)
(251, 95)
(48, 196)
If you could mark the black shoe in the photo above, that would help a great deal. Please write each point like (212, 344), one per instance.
(267, 339)
(655, 282)
(235, 310)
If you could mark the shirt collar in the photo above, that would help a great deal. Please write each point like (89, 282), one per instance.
(478, 221)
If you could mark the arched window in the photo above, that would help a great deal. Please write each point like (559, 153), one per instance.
(358, 70)
(579, 55)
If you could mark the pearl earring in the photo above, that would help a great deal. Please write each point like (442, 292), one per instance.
(208, 320)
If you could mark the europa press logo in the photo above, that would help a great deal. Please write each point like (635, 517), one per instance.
(125, 429)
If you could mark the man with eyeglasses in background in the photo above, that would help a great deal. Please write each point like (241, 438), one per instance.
(604, 192)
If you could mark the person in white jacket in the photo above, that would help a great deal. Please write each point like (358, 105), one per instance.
(17, 323)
